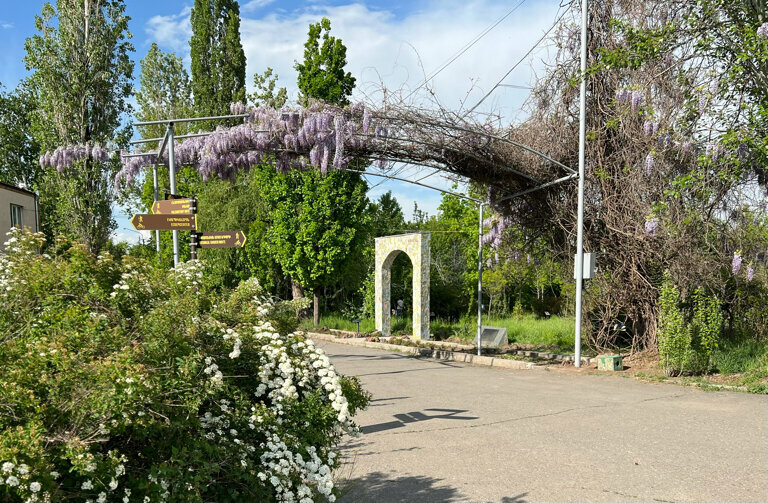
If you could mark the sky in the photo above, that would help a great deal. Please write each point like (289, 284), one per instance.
(460, 48)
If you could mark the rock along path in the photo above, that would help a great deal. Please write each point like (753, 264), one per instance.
(444, 431)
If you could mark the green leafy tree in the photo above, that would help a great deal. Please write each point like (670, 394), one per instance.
(165, 91)
(266, 91)
(319, 221)
(19, 150)
(321, 74)
(81, 80)
(218, 60)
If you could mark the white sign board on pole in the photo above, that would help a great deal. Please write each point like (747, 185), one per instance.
(589, 266)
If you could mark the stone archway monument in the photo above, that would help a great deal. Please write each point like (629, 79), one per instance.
(416, 246)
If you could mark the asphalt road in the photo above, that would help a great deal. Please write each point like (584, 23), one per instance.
(443, 432)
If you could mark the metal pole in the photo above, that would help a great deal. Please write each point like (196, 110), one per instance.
(155, 183)
(172, 174)
(579, 265)
(480, 281)
(193, 236)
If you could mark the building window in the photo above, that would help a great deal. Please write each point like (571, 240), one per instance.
(16, 216)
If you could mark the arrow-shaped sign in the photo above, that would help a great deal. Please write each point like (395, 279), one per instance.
(164, 222)
(172, 207)
(225, 239)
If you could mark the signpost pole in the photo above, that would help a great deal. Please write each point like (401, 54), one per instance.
(172, 174)
(193, 235)
(480, 281)
(579, 265)
(154, 181)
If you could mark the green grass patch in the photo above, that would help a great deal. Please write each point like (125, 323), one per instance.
(555, 331)
(746, 357)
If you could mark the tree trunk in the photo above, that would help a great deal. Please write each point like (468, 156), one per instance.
(317, 309)
(297, 291)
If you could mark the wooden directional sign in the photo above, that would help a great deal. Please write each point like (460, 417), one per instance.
(164, 222)
(173, 207)
(225, 239)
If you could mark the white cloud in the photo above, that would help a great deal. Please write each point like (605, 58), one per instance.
(171, 32)
(397, 52)
(6, 25)
(130, 237)
(254, 5)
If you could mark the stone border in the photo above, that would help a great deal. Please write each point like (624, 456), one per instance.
(438, 354)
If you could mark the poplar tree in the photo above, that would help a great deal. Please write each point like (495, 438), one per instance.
(81, 79)
(218, 60)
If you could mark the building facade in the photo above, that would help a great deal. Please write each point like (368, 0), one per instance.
(18, 208)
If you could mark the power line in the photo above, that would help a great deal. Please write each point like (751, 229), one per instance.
(499, 83)
(465, 48)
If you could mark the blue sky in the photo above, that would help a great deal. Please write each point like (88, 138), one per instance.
(392, 45)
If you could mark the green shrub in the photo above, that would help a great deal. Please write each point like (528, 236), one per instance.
(125, 382)
(687, 341)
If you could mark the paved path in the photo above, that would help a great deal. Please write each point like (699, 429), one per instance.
(443, 432)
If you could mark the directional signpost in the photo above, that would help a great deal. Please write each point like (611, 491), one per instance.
(173, 207)
(180, 214)
(225, 239)
(142, 222)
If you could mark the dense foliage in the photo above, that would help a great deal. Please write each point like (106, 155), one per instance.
(81, 81)
(218, 60)
(125, 382)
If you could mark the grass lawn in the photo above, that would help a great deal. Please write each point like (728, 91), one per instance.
(742, 364)
(528, 329)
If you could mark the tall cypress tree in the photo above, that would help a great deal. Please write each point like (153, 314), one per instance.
(218, 60)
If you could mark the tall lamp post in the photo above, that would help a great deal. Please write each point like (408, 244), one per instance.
(579, 265)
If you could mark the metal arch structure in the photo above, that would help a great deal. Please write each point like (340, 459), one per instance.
(169, 138)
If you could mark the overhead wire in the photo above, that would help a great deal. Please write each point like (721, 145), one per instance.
(499, 83)
(465, 48)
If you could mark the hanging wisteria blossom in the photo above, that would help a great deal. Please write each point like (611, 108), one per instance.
(750, 273)
(65, 156)
(736, 264)
(649, 164)
(650, 226)
(762, 31)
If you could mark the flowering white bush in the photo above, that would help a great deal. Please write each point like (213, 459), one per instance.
(126, 383)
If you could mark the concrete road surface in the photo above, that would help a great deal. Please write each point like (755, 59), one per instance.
(443, 432)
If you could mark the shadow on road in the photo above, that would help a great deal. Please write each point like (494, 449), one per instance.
(375, 401)
(379, 487)
(389, 488)
(415, 417)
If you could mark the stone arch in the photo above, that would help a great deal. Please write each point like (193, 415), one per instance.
(416, 246)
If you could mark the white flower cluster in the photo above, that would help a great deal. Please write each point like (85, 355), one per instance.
(131, 278)
(190, 273)
(20, 244)
(238, 343)
(212, 369)
(280, 463)
(19, 478)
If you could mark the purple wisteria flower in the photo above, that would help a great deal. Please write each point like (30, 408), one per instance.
(649, 164)
(648, 127)
(750, 274)
(736, 264)
(714, 85)
(650, 226)
(623, 96)
(762, 31)
(742, 151)
(637, 100)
